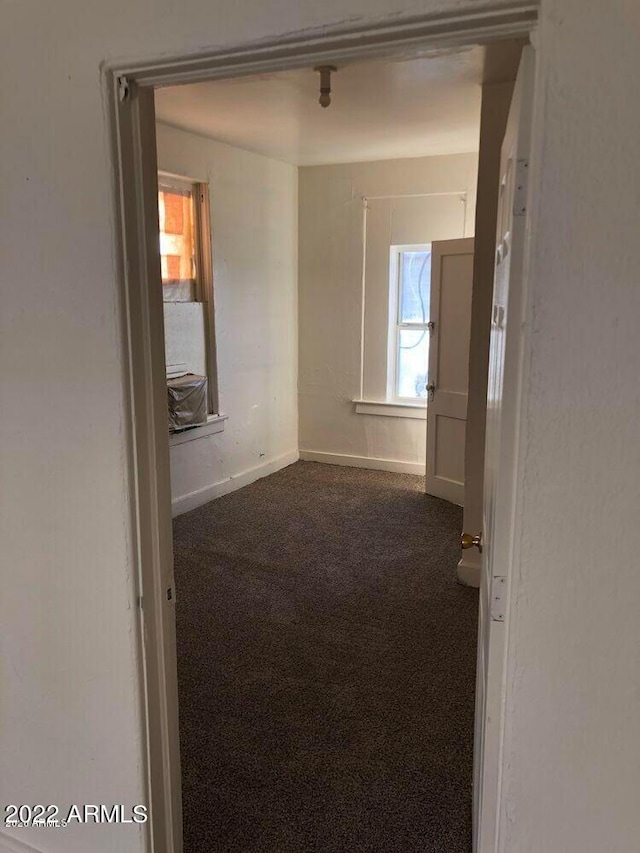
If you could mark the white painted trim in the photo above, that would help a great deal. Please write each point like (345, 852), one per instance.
(185, 179)
(173, 371)
(445, 489)
(391, 409)
(445, 403)
(9, 844)
(371, 462)
(340, 42)
(214, 424)
(363, 289)
(417, 247)
(147, 445)
(231, 484)
(468, 571)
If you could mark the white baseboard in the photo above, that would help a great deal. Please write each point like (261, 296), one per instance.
(468, 571)
(9, 844)
(184, 503)
(364, 462)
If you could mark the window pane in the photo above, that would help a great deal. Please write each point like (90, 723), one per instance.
(415, 279)
(177, 235)
(413, 358)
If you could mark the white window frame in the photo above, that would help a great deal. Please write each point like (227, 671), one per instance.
(395, 324)
(204, 291)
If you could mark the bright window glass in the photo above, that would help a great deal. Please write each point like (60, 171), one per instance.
(411, 357)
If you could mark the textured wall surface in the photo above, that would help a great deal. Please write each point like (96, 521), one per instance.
(71, 729)
(572, 753)
(330, 287)
(254, 225)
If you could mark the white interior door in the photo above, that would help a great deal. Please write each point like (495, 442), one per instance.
(450, 316)
(503, 404)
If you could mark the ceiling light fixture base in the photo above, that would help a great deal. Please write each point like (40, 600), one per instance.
(325, 72)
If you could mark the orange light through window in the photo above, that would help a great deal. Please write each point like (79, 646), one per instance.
(177, 243)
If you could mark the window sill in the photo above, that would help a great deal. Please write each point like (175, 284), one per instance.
(214, 424)
(395, 409)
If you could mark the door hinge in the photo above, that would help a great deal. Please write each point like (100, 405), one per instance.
(431, 326)
(140, 602)
(498, 598)
(520, 192)
(170, 593)
(124, 90)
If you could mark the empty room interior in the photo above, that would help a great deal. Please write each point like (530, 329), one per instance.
(324, 237)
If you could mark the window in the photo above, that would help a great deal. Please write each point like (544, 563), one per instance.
(410, 281)
(178, 240)
(187, 276)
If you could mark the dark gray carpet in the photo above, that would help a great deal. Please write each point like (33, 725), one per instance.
(326, 667)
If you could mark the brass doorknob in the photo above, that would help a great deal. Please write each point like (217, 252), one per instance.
(469, 541)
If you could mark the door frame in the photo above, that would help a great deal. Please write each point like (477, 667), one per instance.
(128, 89)
(501, 545)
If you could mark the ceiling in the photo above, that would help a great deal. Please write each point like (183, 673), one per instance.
(381, 109)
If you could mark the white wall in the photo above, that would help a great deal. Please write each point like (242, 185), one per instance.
(254, 222)
(70, 726)
(330, 294)
(572, 755)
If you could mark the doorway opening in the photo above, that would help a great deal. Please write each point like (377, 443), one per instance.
(151, 311)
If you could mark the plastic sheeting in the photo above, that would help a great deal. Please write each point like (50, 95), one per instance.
(187, 397)
(179, 291)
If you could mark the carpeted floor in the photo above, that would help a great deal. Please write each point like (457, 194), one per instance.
(326, 663)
